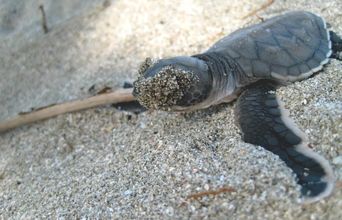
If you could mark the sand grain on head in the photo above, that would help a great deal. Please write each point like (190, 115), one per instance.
(148, 62)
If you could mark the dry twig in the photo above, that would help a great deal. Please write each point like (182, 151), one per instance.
(210, 192)
(262, 7)
(44, 22)
(197, 196)
(119, 96)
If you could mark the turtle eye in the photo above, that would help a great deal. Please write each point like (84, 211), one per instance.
(194, 95)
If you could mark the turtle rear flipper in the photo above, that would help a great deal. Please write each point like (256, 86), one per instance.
(263, 122)
(336, 41)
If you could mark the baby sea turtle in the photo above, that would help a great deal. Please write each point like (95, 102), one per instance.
(251, 63)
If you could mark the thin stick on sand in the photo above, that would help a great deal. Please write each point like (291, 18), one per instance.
(118, 96)
(262, 7)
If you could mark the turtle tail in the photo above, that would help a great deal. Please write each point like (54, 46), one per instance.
(263, 121)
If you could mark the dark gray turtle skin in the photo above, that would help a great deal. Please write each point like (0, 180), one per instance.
(250, 64)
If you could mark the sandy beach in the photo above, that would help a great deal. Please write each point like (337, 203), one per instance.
(104, 163)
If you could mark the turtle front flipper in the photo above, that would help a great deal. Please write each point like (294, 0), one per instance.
(264, 122)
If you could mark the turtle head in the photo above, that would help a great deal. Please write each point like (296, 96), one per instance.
(177, 84)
